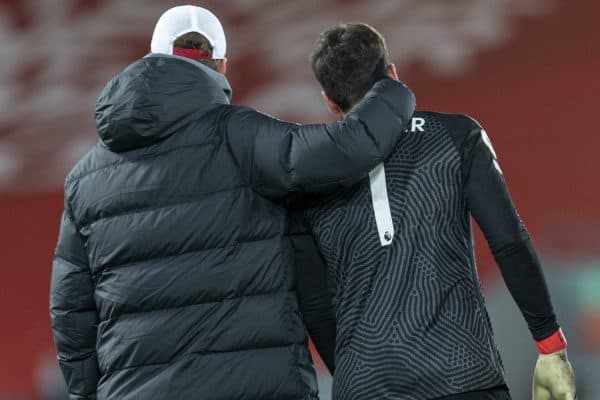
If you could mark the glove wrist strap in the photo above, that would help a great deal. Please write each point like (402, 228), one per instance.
(553, 343)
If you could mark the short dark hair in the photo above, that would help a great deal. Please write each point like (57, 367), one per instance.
(195, 40)
(344, 61)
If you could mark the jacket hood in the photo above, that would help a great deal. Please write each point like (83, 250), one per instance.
(153, 97)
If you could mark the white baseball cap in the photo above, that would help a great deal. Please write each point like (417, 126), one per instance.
(180, 20)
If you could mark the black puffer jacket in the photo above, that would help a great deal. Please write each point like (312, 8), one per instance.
(173, 276)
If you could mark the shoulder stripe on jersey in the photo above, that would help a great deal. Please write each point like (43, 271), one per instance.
(488, 143)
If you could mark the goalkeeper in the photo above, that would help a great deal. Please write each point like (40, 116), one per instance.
(411, 317)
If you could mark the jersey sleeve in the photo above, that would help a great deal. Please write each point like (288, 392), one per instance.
(491, 206)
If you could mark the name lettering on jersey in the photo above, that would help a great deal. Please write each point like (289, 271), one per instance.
(417, 124)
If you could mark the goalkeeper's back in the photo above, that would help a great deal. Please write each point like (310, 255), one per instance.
(411, 317)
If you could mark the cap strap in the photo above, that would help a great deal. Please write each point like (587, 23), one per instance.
(192, 53)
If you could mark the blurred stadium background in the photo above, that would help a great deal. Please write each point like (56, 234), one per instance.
(526, 69)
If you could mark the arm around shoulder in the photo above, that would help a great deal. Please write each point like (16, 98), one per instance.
(279, 157)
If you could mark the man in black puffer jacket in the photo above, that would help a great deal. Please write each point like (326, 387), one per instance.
(173, 276)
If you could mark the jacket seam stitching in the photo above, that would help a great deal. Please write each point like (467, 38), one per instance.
(128, 264)
(154, 208)
(127, 315)
(199, 353)
(127, 161)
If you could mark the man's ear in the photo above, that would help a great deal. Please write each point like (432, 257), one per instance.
(223, 66)
(330, 104)
(391, 70)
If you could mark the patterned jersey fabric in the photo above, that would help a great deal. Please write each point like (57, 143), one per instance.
(411, 317)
